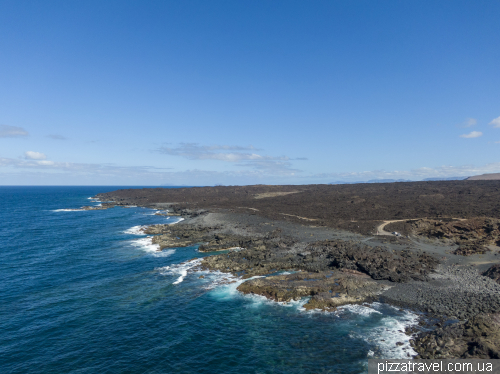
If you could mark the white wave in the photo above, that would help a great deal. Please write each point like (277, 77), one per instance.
(130, 206)
(258, 300)
(68, 210)
(390, 330)
(146, 244)
(136, 230)
(361, 310)
(223, 286)
(181, 269)
(180, 219)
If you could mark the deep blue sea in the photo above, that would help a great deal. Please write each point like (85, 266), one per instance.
(83, 292)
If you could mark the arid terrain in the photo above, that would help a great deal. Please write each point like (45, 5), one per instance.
(354, 207)
(427, 246)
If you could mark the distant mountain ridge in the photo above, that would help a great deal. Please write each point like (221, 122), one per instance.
(402, 180)
(485, 177)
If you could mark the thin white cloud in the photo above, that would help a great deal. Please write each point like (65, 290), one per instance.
(234, 154)
(45, 163)
(469, 122)
(445, 171)
(14, 171)
(194, 151)
(31, 155)
(7, 131)
(42, 164)
(472, 134)
(495, 122)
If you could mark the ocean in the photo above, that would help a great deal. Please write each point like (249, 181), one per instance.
(85, 292)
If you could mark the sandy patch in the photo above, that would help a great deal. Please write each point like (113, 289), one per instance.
(272, 194)
(307, 219)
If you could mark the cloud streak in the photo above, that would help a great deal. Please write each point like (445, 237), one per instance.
(238, 155)
(495, 122)
(472, 134)
(413, 174)
(30, 155)
(7, 131)
(50, 172)
(194, 151)
(469, 122)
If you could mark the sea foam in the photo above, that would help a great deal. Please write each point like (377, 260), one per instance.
(389, 331)
(146, 244)
(136, 230)
(68, 210)
(181, 270)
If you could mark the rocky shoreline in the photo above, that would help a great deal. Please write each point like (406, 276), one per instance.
(334, 267)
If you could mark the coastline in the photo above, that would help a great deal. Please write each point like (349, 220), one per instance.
(449, 295)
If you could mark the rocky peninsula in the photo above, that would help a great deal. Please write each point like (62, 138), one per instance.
(428, 246)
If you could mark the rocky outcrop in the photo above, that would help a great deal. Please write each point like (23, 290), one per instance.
(472, 235)
(103, 206)
(493, 272)
(275, 255)
(211, 239)
(328, 289)
(169, 236)
(479, 337)
(467, 248)
(379, 263)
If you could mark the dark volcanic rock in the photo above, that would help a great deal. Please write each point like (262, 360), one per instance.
(168, 236)
(479, 337)
(471, 248)
(379, 263)
(356, 207)
(329, 289)
(493, 272)
(275, 255)
(472, 235)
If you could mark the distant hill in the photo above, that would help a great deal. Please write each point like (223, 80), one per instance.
(401, 180)
(445, 179)
(485, 177)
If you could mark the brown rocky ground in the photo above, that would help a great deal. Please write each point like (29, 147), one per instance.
(473, 236)
(328, 289)
(356, 207)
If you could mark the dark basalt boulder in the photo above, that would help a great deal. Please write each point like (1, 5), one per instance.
(493, 272)
(276, 255)
(377, 262)
(479, 337)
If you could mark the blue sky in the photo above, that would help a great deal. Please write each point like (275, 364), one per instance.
(247, 92)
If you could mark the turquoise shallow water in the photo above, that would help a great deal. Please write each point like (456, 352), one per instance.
(81, 293)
